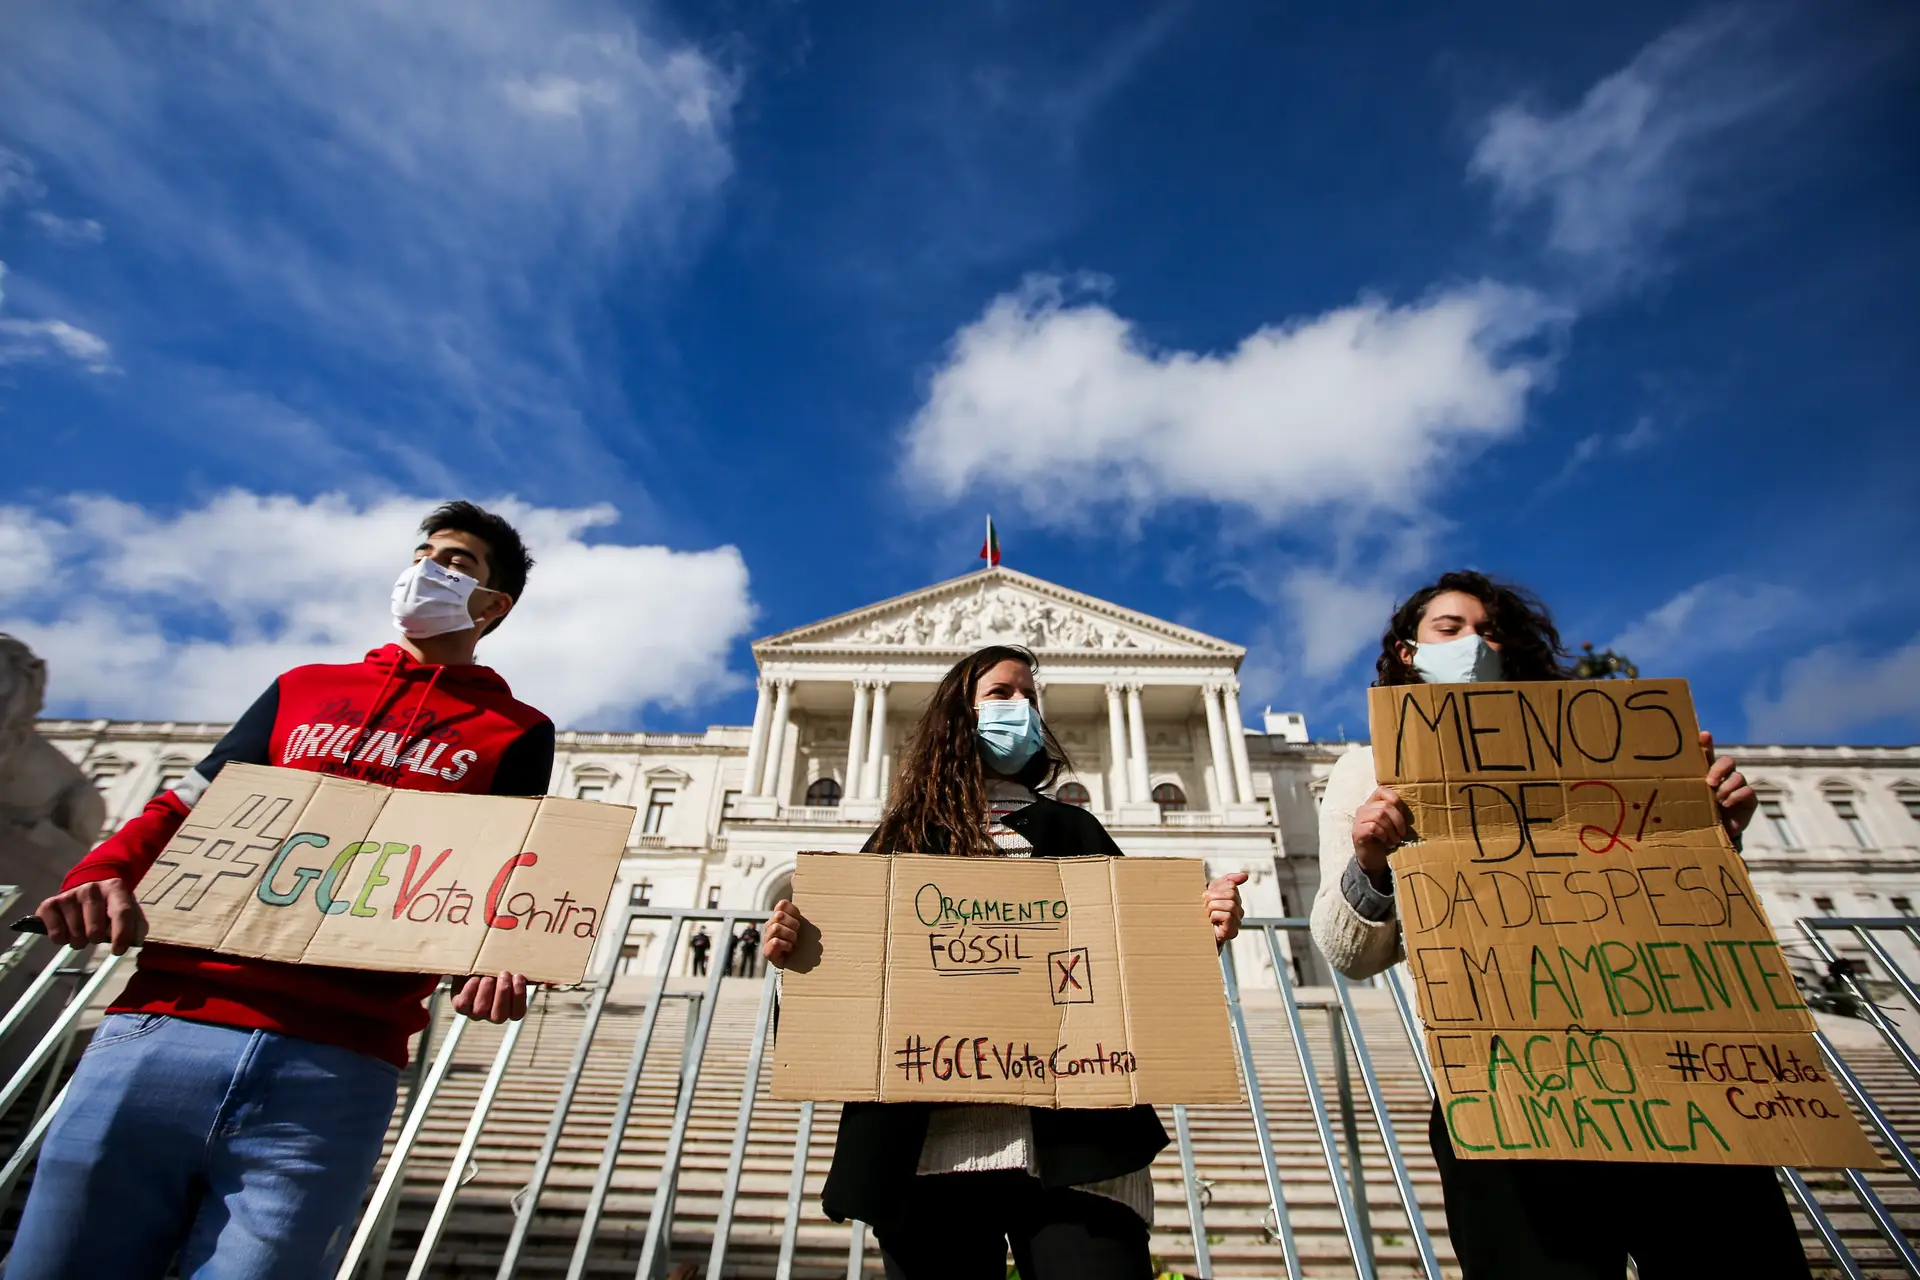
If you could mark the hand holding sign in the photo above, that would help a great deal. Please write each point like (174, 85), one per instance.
(485, 998)
(1222, 902)
(97, 911)
(1737, 800)
(1379, 827)
(783, 931)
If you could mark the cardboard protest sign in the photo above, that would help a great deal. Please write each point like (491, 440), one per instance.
(282, 864)
(1596, 975)
(1050, 982)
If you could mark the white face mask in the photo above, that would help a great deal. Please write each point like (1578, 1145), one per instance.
(430, 600)
(1467, 660)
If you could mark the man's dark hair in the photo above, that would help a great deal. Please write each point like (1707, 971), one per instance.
(507, 560)
(1530, 647)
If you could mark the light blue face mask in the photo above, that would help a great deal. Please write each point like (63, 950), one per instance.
(1467, 660)
(1009, 733)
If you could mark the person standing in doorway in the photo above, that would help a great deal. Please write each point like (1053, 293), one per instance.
(227, 1115)
(699, 944)
(749, 950)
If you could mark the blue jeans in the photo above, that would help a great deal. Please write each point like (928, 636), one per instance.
(244, 1154)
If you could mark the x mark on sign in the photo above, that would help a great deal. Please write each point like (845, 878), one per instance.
(1066, 968)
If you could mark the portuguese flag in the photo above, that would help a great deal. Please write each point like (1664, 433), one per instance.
(990, 549)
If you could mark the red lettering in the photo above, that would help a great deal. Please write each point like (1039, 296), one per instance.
(409, 885)
(494, 919)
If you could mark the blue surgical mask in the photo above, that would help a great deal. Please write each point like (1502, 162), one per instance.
(1467, 660)
(1009, 733)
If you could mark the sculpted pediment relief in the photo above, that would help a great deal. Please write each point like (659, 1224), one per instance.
(993, 609)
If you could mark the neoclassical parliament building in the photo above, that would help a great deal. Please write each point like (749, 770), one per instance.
(1150, 713)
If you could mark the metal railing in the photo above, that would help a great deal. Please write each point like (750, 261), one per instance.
(1337, 1123)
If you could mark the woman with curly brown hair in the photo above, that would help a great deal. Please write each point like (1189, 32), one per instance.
(948, 1188)
(1532, 1219)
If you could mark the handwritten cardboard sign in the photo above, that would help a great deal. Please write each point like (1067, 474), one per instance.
(282, 864)
(1596, 974)
(1050, 982)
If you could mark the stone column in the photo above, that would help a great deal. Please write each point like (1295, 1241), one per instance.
(1117, 747)
(757, 747)
(1224, 788)
(857, 743)
(776, 738)
(1237, 742)
(1137, 738)
(876, 744)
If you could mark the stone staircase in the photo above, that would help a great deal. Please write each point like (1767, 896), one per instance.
(1227, 1157)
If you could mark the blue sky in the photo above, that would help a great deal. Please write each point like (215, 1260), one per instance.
(1250, 316)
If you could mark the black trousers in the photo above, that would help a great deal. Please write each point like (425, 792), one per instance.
(957, 1226)
(1581, 1219)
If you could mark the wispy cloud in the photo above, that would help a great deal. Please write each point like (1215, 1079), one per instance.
(23, 340)
(1840, 691)
(67, 231)
(1720, 616)
(175, 615)
(422, 197)
(1619, 171)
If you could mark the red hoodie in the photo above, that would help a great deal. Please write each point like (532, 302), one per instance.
(386, 719)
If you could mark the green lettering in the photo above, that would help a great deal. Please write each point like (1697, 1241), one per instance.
(323, 895)
(1498, 1052)
(1733, 951)
(302, 876)
(1616, 975)
(1493, 1105)
(1454, 1129)
(1653, 950)
(1613, 1106)
(1709, 986)
(1534, 983)
(1695, 1118)
(1767, 976)
(1648, 1107)
(1583, 1120)
(375, 880)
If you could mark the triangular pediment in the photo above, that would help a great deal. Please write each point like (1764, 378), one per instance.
(998, 606)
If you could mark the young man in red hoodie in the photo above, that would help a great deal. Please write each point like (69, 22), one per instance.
(228, 1112)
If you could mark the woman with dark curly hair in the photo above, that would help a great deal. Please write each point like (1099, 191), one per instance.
(948, 1188)
(1532, 1219)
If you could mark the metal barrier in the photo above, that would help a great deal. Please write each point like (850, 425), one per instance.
(1337, 1126)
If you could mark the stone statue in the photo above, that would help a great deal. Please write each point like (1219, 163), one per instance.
(44, 797)
(50, 815)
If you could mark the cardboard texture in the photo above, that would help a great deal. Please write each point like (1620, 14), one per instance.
(1596, 974)
(1047, 982)
(282, 864)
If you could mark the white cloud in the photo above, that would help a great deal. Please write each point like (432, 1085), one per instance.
(17, 179)
(1061, 404)
(1619, 171)
(1836, 691)
(1333, 619)
(67, 231)
(24, 340)
(429, 194)
(191, 614)
(1728, 614)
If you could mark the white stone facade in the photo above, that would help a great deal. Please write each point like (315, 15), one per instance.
(1140, 705)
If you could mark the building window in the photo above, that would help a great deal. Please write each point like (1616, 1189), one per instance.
(590, 791)
(1170, 798)
(1910, 801)
(103, 771)
(825, 793)
(713, 896)
(1901, 906)
(659, 805)
(641, 894)
(1823, 905)
(1849, 813)
(1775, 813)
(728, 800)
(1073, 793)
(171, 771)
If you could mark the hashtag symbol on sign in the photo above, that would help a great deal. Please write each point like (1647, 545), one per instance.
(913, 1059)
(1685, 1061)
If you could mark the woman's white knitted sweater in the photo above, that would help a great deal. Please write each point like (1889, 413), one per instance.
(1355, 945)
